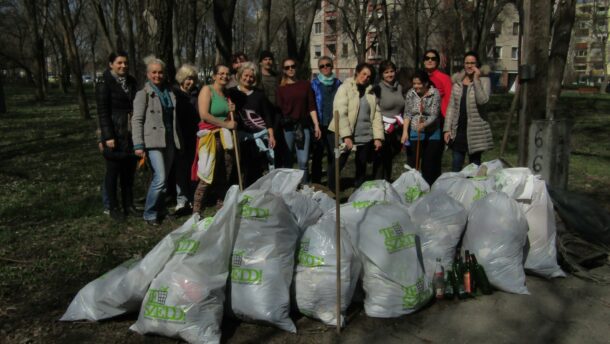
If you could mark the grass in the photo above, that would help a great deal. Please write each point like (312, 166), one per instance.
(53, 235)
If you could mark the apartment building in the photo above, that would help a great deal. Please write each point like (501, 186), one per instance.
(589, 46)
(504, 57)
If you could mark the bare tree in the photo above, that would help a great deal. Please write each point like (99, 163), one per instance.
(223, 22)
(297, 41)
(357, 21)
(475, 18)
(2, 97)
(68, 13)
(562, 23)
(264, 22)
(155, 32)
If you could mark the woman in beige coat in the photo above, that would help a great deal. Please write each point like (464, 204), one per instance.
(360, 124)
(466, 129)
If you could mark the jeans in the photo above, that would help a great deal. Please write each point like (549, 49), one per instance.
(458, 160)
(105, 200)
(302, 154)
(323, 146)
(160, 161)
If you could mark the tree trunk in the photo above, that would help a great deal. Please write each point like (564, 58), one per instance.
(176, 45)
(192, 32)
(298, 45)
(39, 69)
(2, 97)
(100, 17)
(560, 45)
(131, 39)
(263, 42)
(155, 34)
(223, 22)
(536, 55)
(73, 56)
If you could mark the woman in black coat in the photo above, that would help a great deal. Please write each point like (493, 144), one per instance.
(114, 95)
(187, 114)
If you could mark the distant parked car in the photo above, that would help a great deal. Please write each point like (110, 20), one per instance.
(87, 79)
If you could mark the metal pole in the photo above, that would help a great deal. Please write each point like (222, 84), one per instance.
(235, 143)
(338, 221)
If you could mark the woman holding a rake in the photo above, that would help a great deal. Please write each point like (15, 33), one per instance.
(422, 110)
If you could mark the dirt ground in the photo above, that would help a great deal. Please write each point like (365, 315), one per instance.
(563, 310)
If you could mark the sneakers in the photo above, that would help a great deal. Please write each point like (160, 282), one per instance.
(182, 210)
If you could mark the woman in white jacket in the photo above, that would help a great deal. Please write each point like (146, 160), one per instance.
(360, 124)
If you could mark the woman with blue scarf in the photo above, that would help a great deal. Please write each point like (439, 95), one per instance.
(155, 135)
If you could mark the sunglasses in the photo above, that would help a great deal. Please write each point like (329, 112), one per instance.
(328, 65)
(430, 58)
(289, 67)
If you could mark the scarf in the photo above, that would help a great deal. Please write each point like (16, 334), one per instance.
(166, 100)
(121, 80)
(327, 80)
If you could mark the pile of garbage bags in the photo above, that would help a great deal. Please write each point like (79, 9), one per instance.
(274, 243)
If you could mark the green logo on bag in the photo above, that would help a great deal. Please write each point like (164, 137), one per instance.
(413, 193)
(244, 275)
(371, 184)
(480, 193)
(306, 259)
(415, 294)
(207, 222)
(247, 212)
(366, 204)
(187, 246)
(156, 309)
(395, 239)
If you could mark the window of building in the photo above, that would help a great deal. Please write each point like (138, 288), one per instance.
(497, 28)
(497, 53)
(317, 28)
(317, 51)
(580, 68)
(514, 53)
(581, 53)
(332, 49)
(515, 29)
(344, 50)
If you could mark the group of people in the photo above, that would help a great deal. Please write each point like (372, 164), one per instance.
(253, 118)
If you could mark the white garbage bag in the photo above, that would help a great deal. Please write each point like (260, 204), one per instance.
(542, 255)
(279, 181)
(440, 222)
(394, 278)
(497, 233)
(410, 185)
(122, 289)
(470, 170)
(316, 272)
(464, 190)
(186, 299)
(325, 202)
(493, 167)
(263, 260)
(375, 190)
(304, 208)
(517, 182)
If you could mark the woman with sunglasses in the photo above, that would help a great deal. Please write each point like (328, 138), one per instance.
(466, 128)
(441, 81)
(360, 124)
(324, 88)
(391, 106)
(214, 161)
(298, 114)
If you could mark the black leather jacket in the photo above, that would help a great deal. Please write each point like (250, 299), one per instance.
(114, 108)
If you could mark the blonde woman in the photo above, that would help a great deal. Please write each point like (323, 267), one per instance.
(186, 92)
(155, 134)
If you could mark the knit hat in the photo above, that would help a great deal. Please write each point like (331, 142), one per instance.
(264, 54)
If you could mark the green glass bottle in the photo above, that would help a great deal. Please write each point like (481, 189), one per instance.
(449, 283)
(481, 277)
